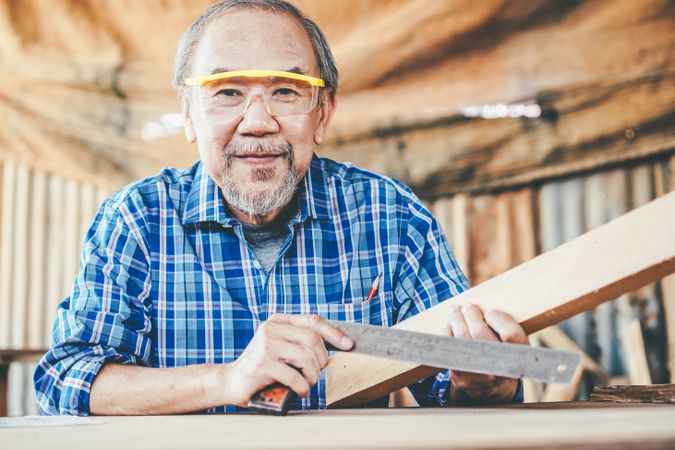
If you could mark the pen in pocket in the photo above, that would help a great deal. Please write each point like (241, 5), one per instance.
(375, 286)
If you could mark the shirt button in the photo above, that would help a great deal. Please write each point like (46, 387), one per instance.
(257, 265)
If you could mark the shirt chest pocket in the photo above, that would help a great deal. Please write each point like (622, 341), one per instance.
(376, 311)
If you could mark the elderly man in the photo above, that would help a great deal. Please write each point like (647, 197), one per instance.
(200, 287)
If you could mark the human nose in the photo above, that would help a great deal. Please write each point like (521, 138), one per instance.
(256, 117)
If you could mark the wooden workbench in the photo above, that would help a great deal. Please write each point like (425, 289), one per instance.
(567, 425)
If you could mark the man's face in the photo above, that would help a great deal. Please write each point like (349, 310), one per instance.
(256, 159)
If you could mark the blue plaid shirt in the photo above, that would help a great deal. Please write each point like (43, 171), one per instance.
(167, 278)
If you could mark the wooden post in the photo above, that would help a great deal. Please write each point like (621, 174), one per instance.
(54, 281)
(19, 297)
(36, 288)
(539, 293)
(6, 249)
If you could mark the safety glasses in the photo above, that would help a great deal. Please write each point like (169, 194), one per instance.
(230, 93)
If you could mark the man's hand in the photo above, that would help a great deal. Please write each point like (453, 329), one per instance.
(468, 322)
(288, 349)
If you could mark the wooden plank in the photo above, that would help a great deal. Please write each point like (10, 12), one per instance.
(15, 392)
(666, 176)
(523, 247)
(655, 393)
(30, 406)
(636, 358)
(560, 206)
(567, 392)
(571, 223)
(19, 296)
(668, 294)
(570, 426)
(6, 249)
(441, 209)
(101, 195)
(523, 232)
(554, 337)
(37, 266)
(71, 238)
(459, 231)
(87, 212)
(525, 293)
(599, 193)
(55, 225)
(646, 301)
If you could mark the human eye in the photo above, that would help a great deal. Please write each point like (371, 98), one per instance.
(285, 92)
(228, 92)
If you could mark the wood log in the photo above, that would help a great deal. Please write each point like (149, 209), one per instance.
(654, 393)
(629, 252)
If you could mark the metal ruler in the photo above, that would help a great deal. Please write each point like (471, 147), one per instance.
(444, 352)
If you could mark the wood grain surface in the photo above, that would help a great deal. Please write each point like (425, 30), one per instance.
(557, 426)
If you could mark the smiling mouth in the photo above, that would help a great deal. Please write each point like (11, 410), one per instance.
(260, 158)
(260, 155)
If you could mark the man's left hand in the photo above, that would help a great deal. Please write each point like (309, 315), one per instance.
(469, 322)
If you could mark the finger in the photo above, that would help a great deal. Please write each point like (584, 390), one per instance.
(478, 328)
(329, 332)
(305, 337)
(290, 377)
(508, 329)
(300, 335)
(457, 324)
(299, 357)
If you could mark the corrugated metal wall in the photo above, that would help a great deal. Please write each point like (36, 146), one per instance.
(492, 232)
(43, 220)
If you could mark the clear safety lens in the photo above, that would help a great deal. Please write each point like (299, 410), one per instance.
(280, 96)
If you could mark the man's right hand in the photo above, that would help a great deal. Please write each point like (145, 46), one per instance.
(288, 349)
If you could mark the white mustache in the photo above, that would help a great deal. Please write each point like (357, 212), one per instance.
(256, 147)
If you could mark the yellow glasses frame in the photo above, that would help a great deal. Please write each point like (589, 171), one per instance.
(201, 81)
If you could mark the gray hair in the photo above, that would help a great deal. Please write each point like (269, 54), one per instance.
(182, 62)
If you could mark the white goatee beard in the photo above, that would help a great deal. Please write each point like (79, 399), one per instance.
(259, 203)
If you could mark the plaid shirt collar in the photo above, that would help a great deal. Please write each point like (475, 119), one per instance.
(206, 204)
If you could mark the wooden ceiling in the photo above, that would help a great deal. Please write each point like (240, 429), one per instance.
(81, 80)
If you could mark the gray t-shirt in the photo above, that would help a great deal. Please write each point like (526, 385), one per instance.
(266, 241)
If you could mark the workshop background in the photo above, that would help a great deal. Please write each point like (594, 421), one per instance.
(521, 124)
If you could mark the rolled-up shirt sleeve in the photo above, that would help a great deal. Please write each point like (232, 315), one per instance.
(429, 274)
(106, 319)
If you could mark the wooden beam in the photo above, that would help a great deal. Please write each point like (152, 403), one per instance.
(655, 393)
(629, 252)
(582, 129)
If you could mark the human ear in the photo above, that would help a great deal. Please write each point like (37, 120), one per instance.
(326, 110)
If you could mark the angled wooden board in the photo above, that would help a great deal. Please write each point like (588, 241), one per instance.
(635, 249)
